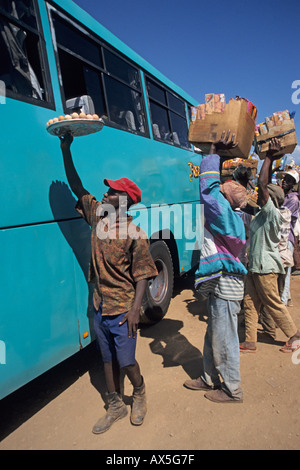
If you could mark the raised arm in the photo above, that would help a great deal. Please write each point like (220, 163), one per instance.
(264, 175)
(71, 173)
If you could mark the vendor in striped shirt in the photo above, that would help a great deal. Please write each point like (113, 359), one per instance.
(220, 277)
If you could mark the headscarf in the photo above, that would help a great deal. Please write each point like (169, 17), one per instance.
(235, 194)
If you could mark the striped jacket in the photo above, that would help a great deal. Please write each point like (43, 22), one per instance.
(224, 231)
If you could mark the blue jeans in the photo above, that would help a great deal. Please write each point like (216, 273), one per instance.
(221, 354)
(287, 281)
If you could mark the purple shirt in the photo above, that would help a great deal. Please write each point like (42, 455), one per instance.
(291, 201)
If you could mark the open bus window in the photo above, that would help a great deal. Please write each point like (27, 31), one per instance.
(20, 44)
(78, 79)
(113, 84)
(168, 115)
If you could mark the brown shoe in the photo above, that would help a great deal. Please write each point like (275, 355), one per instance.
(198, 384)
(116, 410)
(139, 405)
(219, 396)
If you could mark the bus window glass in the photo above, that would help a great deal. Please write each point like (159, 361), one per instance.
(179, 130)
(21, 66)
(156, 92)
(125, 107)
(119, 68)
(160, 122)
(22, 10)
(72, 40)
(176, 105)
(169, 122)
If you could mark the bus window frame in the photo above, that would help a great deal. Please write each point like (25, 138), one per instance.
(43, 59)
(102, 44)
(167, 107)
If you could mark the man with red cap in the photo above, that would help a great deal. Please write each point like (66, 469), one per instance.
(120, 265)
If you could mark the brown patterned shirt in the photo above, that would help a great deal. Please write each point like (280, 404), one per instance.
(120, 258)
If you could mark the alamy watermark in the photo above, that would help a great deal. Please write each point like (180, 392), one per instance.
(296, 357)
(186, 220)
(2, 92)
(2, 352)
(296, 93)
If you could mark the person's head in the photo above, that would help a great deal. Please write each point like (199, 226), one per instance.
(122, 193)
(291, 178)
(276, 194)
(235, 194)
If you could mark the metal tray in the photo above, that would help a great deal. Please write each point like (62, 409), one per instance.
(76, 127)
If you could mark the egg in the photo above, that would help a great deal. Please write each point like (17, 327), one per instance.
(89, 116)
(95, 116)
(82, 116)
(75, 116)
(50, 122)
(55, 120)
(68, 116)
(61, 118)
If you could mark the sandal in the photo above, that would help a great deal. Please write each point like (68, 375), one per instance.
(247, 350)
(290, 348)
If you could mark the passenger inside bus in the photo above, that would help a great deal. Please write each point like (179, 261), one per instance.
(122, 117)
(20, 65)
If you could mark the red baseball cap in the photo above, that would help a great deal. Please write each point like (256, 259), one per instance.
(124, 184)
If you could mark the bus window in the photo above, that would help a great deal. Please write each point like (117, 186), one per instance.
(161, 126)
(113, 84)
(22, 65)
(121, 69)
(168, 115)
(80, 65)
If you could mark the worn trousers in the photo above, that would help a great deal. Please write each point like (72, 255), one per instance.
(262, 290)
(221, 355)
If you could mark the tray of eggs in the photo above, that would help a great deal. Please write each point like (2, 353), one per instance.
(77, 124)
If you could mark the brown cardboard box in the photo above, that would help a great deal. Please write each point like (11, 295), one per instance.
(234, 118)
(285, 132)
(230, 166)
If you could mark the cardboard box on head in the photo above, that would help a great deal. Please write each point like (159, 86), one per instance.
(237, 117)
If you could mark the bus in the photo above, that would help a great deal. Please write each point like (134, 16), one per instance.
(55, 56)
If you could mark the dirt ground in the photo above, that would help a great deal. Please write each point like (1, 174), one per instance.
(57, 410)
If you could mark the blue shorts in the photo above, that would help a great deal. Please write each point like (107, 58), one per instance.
(113, 339)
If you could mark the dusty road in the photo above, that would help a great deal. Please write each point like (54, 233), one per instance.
(58, 410)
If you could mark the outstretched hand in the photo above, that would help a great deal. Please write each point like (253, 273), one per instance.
(225, 143)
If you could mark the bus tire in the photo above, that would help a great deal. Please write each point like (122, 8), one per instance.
(159, 290)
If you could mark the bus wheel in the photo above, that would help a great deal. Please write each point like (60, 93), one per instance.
(159, 290)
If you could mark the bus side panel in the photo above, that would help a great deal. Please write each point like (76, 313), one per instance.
(183, 222)
(39, 304)
(32, 171)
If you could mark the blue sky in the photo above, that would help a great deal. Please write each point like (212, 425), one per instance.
(246, 48)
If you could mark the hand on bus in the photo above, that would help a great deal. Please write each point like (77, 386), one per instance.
(225, 143)
(65, 141)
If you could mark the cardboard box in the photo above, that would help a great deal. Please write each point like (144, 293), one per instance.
(236, 118)
(285, 132)
(229, 166)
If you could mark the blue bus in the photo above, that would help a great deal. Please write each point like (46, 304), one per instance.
(55, 56)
